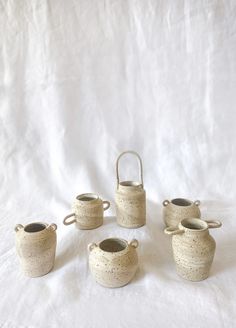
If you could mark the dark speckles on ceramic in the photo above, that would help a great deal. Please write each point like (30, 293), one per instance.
(36, 247)
(113, 262)
(193, 248)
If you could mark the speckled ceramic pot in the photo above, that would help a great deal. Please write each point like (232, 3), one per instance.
(36, 247)
(88, 211)
(113, 262)
(193, 248)
(130, 198)
(178, 209)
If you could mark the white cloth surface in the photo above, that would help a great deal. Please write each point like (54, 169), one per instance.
(82, 81)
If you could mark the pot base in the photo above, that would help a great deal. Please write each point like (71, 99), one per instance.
(112, 280)
(193, 274)
(132, 227)
(36, 274)
(79, 227)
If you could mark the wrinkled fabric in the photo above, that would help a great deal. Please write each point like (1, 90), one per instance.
(82, 81)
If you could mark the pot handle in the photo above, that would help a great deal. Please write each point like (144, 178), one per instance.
(140, 165)
(105, 202)
(52, 227)
(91, 246)
(213, 224)
(65, 222)
(173, 231)
(165, 202)
(18, 227)
(134, 243)
(197, 202)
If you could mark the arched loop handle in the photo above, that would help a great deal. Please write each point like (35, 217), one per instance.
(66, 222)
(134, 243)
(213, 224)
(140, 165)
(18, 227)
(91, 246)
(107, 205)
(173, 231)
(197, 203)
(165, 202)
(52, 227)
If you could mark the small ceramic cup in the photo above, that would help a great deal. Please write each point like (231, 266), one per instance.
(178, 209)
(88, 212)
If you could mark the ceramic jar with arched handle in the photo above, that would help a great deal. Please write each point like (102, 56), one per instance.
(113, 262)
(178, 209)
(130, 198)
(36, 247)
(193, 247)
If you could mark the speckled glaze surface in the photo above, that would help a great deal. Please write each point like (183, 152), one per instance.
(177, 209)
(88, 211)
(193, 248)
(36, 247)
(130, 199)
(113, 262)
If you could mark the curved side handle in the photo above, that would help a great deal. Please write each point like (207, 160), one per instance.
(18, 227)
(213, 223)
(66, 222)
(165, 202)
(134, 243)
(197, 203)
(173, 231)
(140, 165)
(91, 246)
(105, 202)
(52, 227)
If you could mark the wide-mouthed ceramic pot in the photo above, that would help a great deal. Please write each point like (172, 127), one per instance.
(193, 247)
(36, 247)
(178, 209)
(113, 262)
(88, 210)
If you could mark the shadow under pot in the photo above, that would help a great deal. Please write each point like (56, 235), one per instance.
(193, 247)
(178, 209)
(36, 247)
(113, 262)
(88, 210)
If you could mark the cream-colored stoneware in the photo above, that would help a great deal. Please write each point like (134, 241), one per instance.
(36, 247)
(130, 198)
(113, 262)
(193, 247)
(88, 211)
(178, 209)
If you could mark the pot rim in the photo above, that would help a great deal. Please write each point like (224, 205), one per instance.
(43, 224)
(200, 225)
(183, 200)
(128, 183)
(123, 241)
(92, 196)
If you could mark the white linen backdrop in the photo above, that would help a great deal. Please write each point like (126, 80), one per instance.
(82, 81)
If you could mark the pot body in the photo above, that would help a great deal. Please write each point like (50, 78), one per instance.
(130, 205)
(113, 269)
(178, 209)
(36, 249)
(193, 248)
(88, 211)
